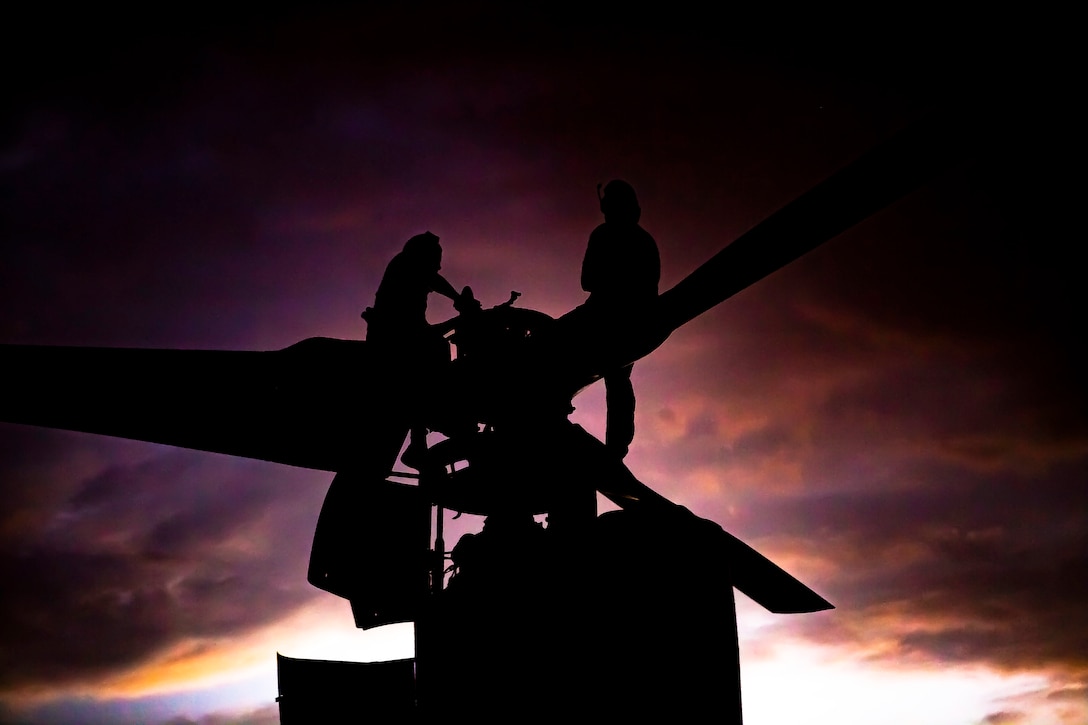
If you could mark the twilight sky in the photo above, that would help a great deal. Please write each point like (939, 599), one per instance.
(898, 418)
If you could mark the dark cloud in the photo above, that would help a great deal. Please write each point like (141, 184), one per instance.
(1071, 693)
(264, 716)
(1005, 717)
(142, 711)
(982, 571)
(147, 556)
(766, 441)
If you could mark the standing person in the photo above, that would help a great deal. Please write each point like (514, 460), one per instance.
(621, 271)
(397, 323)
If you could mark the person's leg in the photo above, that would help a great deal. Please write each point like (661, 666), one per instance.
(417, 448)
(620, 416)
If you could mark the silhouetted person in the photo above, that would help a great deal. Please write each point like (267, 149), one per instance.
(621, 271)
(399, 314)
(398, 320)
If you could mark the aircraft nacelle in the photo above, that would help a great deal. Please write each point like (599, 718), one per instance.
(520, 367)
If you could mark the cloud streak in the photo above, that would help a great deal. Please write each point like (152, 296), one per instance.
(142, 558)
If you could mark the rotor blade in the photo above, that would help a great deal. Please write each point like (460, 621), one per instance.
(311, 405)
(755, 575)
(878, 178)
(766, 583)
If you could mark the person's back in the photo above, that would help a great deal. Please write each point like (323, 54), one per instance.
(622, 264)
(401, 298)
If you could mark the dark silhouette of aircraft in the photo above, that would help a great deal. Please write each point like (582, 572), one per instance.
(630, 612)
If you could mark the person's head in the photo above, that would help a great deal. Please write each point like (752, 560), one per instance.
(619, 203)
(425, 250)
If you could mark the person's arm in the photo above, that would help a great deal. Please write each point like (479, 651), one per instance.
(444, 288)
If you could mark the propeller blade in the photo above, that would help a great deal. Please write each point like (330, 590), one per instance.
(761, 579)
(766, 583)
(755, 575)
(878, 178)
(312, 405)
